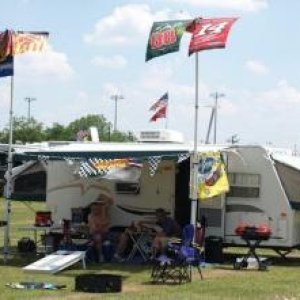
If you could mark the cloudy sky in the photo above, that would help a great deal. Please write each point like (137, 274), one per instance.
(97, 49)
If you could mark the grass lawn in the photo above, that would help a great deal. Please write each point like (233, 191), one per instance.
(281, 281)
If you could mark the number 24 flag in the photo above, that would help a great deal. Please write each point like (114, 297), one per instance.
(209, 33)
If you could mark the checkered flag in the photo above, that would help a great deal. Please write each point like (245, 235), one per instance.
(153, 164)
(94, 162)
(182, 157)
(88, 169)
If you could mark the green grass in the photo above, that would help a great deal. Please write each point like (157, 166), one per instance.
(281, 281)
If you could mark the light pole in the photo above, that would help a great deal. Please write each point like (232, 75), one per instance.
(115, 98)
(216, 96)
(29, 100)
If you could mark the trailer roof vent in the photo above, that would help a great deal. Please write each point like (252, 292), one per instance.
(160, 136)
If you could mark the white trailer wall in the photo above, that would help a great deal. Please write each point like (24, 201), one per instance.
(66, 190)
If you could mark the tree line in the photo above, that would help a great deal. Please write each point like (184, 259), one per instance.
(30, 130)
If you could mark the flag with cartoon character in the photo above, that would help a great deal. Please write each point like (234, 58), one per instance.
(212, 177)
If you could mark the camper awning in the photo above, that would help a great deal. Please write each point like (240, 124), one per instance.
(102, 151)
(291, 161)
(41, 155)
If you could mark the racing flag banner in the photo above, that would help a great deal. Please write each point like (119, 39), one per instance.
(110, 168)
(29, 42)
(209, 33)
(165, 37)
(212, 177)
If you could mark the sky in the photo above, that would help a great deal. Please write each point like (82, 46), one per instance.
(97, 49)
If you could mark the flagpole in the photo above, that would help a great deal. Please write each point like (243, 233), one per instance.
(194, 158)
(9, 176)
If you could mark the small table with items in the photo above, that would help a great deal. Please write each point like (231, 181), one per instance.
(44, 231)
(253, 236)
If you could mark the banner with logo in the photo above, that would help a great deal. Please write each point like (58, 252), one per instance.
(209, 33)
(165, 37)
(212, 177)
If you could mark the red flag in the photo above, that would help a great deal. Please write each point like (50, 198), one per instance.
(209, 33)
(5, 44)
(160, 113)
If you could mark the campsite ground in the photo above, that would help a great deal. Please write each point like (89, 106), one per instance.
(281, 281)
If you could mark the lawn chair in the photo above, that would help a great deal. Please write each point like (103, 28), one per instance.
(175, 266)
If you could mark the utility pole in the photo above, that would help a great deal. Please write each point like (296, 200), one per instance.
(216, 96)
(29, 100)
(116, 98)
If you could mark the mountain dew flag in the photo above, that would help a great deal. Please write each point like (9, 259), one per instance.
(212, 177)
(165, 37)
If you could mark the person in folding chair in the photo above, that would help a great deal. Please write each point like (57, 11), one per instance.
(176, 265)
(169, 229)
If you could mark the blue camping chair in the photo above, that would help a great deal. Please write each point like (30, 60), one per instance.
(175, 266)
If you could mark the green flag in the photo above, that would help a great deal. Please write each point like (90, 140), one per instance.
(165, 37)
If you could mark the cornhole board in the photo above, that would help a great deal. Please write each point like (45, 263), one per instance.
(56, 262)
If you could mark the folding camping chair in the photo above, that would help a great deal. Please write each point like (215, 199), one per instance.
(176, 265)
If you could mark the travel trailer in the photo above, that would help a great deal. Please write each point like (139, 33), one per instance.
(264, 189)
(264, 186)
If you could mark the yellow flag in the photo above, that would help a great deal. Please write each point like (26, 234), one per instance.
(29, 42)
(212, 177)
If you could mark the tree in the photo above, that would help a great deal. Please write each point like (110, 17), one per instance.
(57, 133)
(103, 126)
(24, 130)
(33, 131)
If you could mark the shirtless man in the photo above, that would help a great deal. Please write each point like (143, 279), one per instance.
(98, 223)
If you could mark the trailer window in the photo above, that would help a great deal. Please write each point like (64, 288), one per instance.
(243, 185)
(290, 180)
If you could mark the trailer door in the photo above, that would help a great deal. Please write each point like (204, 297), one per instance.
(213, 211)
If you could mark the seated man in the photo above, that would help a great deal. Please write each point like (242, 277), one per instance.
(169, 228)
(98, 223)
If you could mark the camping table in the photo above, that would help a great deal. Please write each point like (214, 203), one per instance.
(140, 240)
(43, 229)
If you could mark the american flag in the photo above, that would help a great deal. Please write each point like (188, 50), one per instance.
(161, 102)
(160, 113)
(133, 162)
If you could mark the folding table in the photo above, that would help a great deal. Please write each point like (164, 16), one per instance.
(141, 244)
